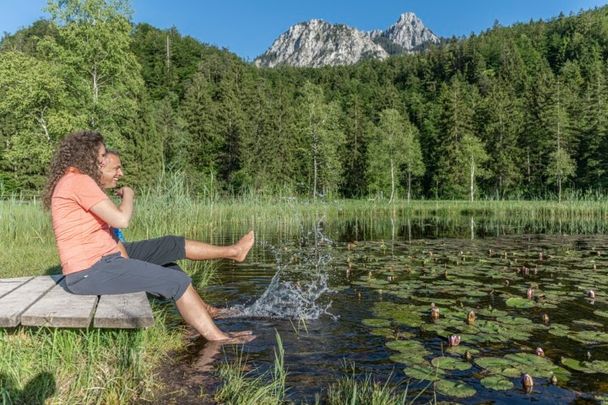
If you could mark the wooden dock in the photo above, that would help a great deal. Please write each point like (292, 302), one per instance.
(44, 301)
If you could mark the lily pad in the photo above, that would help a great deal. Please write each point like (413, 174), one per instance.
(450, 363)
(410, 359)
(589, 336)
(559, 330)
(427, 373)
(603, 314)
(455, 389)
(598, 366)
(376, 323)
(461, 349)
(492, 363)
(575, 365)
(406, 346)
(496, 382)
(386, 332)
(518, 302)
(587, 322)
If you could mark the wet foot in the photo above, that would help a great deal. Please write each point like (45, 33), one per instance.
(243, 246)
(226, 313)
(240, 337)
(220, 313)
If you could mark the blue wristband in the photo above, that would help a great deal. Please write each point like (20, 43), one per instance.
(118, 233)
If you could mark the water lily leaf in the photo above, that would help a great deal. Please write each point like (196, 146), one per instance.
(406, 346)
(598, 366)
(376, 323)
(491, 312)
(530, 361)
(559, 330)
(587, 322)
(386, 332)
(498, 383)
(513, 320)
(575, 365)
(603, 314)
(455, 389)
(410, 359)
(427, 373)
(510, 372)
(518, 302)
(493, 363)
(589, 336)
(461, 350)
(450, 363)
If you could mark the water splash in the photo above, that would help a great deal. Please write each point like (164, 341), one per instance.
(297, 289)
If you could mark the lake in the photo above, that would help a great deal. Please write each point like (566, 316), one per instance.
(354, 298)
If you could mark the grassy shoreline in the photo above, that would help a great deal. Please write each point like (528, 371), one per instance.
(95, 366)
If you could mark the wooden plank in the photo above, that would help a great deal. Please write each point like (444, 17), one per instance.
(124, 311)
(9, 284)
(61, 309)
(13, 304)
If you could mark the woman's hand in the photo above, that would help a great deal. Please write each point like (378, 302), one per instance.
(124, 190)
(116, 217)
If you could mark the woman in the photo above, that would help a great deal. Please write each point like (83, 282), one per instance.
(91, 259)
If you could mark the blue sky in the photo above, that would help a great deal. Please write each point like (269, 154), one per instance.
(248, 27)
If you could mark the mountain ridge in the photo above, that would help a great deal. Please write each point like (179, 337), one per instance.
(316, 43)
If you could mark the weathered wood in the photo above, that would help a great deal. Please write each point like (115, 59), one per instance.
(61, 309)
(13, 304)
(9, 284)
(124, 311)
(44, 301)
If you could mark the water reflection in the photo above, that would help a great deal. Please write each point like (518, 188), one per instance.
(474, 262)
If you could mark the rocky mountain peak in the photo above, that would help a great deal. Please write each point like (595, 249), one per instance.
(316, 43)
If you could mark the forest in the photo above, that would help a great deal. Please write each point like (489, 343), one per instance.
(518, 112)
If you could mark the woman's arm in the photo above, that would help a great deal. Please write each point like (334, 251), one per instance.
(117, 217)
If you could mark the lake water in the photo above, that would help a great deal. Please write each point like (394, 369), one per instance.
(353, 299)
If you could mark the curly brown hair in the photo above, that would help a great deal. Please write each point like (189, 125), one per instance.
(78, 150)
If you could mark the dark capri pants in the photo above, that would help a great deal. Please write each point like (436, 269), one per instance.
(150, 267)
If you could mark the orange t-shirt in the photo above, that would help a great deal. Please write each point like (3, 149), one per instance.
(82, 237)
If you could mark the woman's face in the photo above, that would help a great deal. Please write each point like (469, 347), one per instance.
(101, 153)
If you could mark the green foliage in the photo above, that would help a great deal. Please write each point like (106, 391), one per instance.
(393, 150)
(241, 388)
(320, 140)
(34, 114)
(515, 111)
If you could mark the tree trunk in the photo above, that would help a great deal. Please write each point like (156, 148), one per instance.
(559, 189)
(499, 190)
(314, 178)
(409, 185)
(168, 54)
(529, 169)
(472, 178)
(392, 181)
(95, 85)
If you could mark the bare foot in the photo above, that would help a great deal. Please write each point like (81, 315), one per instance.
(243, 246)
(244, 336)
(222, 313)
(206, 357)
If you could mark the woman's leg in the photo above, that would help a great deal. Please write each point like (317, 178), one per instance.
(196, 250)
(116, 275)
(194, 311)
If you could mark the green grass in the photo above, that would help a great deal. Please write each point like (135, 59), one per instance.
(239, 388)
(96, 366)
(351, 391)
(83, 366)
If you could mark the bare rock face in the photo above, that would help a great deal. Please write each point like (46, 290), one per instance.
(318, 43)
(409, 33)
